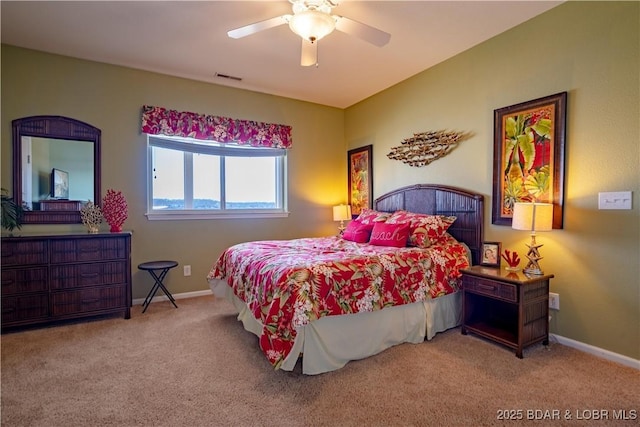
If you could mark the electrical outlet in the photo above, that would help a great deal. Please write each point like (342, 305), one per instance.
(554, 301)
(187, 270)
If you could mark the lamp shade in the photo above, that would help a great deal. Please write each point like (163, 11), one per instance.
(532, 216)
(341, 212)
(311, 24)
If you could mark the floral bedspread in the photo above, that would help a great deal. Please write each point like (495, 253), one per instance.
(289, 283)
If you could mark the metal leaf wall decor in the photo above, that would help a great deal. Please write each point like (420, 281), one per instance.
(423, 148)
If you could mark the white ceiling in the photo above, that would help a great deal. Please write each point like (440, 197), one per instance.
(189, 39)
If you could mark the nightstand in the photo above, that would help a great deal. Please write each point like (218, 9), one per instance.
(511, 308)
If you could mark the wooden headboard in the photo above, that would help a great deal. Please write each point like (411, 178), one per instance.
(431, 199)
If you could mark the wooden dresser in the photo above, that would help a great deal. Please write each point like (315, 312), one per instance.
(53, 277)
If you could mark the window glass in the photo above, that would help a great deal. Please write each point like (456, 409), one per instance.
(168, 178)
(206, 181)
(201, 179)
(250, 183)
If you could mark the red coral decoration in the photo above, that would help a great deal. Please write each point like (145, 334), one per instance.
(512, 258)
(114, 209)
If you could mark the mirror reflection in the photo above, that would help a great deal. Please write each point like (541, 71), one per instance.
(56, 169)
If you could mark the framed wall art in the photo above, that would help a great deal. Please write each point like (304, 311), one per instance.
(360, 175)
(491, 254)
(528, 156)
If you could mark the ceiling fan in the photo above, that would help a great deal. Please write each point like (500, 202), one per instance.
(312, 20)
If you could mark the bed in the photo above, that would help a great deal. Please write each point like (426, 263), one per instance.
(326, 301)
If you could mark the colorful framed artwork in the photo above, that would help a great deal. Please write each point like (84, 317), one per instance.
(528, 156)
(491, 254)
(360, 174)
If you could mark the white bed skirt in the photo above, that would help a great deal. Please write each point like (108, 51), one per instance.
(331, 342)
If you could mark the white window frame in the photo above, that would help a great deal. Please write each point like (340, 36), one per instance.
(190, 146)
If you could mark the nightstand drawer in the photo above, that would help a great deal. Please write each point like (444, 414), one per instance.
(491, 288)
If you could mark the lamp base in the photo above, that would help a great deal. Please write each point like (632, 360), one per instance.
(533, 256)
(533, 271)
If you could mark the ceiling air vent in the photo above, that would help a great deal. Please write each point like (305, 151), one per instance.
(226, 76)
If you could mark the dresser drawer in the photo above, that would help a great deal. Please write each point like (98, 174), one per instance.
(25, 280)
(491, 288)
(24, 307)
(24, 252)
(88, 300)
(93, 274)
(81, 250)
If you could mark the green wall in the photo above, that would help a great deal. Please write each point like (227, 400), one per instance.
(111, 98)
(590, 50)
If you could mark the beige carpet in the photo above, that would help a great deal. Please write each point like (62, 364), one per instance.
(196, 366)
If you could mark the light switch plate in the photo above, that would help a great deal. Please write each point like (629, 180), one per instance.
(614, 200)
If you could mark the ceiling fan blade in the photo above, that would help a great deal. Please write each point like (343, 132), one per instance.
(309, 53)
(362, 31)
(247, 30)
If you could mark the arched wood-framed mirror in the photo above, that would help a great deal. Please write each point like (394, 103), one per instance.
(56, 168)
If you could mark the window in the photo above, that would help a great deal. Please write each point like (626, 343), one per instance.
(193, 179)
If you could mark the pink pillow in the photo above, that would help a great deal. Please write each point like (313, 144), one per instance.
(424, 229)
(357, 232)
(384, 234)
(370, 216)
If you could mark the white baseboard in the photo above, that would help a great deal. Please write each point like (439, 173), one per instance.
(596, 351)
(163, 297)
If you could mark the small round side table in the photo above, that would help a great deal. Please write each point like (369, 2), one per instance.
(158, 270)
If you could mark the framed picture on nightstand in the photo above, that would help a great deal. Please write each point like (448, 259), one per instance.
(491, 254)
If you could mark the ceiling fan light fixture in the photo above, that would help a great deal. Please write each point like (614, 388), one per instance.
(312, 24)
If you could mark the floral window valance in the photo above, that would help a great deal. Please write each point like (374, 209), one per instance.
(160, 121)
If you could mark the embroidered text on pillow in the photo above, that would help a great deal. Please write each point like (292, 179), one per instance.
(388, 235)
(384, 234)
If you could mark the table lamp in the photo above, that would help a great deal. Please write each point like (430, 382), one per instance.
(341, 213)
(533, 217)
